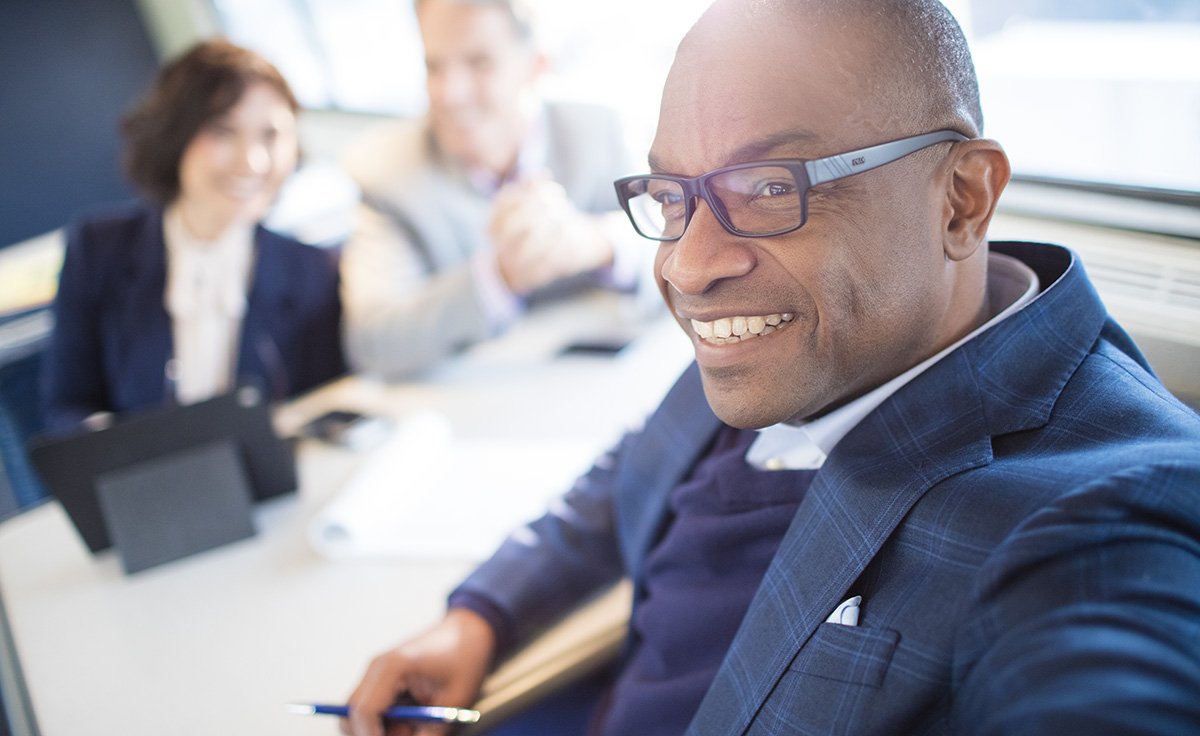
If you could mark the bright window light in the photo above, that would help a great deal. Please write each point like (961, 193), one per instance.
(1094, 91)
(1100, 91)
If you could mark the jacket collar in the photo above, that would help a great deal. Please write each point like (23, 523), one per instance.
(142, 328)
(673, 439)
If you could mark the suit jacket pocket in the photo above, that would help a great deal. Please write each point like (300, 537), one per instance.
(851, 654)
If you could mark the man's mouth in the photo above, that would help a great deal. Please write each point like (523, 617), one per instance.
(736, 329)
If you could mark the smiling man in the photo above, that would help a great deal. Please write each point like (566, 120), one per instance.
(916, 482)
(495, 197)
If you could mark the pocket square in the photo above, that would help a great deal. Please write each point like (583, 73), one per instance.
(846, 613)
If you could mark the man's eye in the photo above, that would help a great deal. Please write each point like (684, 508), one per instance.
(775, 189)
(667, 197)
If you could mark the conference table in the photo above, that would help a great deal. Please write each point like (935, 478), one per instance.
(219, 642)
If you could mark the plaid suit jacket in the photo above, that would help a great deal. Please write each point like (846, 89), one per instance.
(1022, 522)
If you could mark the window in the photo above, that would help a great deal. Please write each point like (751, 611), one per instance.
(353, 55)
(1102, 91)
(1099, 92)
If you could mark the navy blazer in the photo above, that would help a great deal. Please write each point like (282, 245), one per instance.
(112, 336)
(1022, 521)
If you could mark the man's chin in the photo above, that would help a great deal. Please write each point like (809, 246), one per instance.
(461, 145)
(738, 402)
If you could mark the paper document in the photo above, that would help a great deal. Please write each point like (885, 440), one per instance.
(425, 494)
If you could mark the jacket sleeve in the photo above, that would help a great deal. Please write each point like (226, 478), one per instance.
(551, 565)
(73, 373)
(1089, 618)
(401, 316)
(600, 530)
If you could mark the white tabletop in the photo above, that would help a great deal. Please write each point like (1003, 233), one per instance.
(217, 643)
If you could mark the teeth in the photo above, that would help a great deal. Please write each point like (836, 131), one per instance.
(736, 329)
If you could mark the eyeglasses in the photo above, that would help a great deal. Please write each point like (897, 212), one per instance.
(756, 199)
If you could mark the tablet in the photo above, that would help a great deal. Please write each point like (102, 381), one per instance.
(69, 464)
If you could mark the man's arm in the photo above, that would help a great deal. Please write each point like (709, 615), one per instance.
(539, 574)
(1090, 616)
(398, 317)
(546, 568)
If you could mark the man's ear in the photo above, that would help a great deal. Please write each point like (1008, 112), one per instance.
(979, 172)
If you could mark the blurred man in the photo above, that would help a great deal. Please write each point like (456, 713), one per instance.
(493, 196)
(915, 482)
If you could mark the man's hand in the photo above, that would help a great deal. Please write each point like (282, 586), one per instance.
(444, 666)
(540, 236)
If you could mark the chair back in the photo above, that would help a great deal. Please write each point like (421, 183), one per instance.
(20, 421)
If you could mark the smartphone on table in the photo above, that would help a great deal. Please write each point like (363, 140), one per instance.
(352, 429)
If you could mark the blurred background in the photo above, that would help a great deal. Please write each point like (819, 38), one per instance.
(1091, 93)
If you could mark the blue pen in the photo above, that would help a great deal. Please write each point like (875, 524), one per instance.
(395, 713)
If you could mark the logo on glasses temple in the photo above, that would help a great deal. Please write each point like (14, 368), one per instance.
(858, 161)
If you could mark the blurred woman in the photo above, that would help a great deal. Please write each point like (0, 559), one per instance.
(183, 296)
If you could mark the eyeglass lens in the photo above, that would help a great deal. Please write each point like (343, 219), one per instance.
(753, 200)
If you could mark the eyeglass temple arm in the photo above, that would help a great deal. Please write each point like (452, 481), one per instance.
(845, 164)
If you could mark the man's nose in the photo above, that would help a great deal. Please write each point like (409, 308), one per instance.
(706, 254)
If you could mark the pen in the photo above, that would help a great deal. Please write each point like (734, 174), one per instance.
(395, 713)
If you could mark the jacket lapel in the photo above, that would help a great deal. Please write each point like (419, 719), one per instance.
(870, 481)
(143, 327)
(268, 305)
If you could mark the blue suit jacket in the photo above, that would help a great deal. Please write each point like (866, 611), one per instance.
(112, 337)
(1022, 521)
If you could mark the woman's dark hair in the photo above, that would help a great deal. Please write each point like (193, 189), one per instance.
(188, 93)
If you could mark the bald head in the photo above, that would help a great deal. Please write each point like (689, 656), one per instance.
(909, 56)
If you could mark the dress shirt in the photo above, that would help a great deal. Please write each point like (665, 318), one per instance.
(784, 446)
(206, 298)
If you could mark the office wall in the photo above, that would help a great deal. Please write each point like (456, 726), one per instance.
(68, 70)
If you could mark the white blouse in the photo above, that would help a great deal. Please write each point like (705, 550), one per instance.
(207, 284)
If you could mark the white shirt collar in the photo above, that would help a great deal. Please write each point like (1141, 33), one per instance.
(1011, 285)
